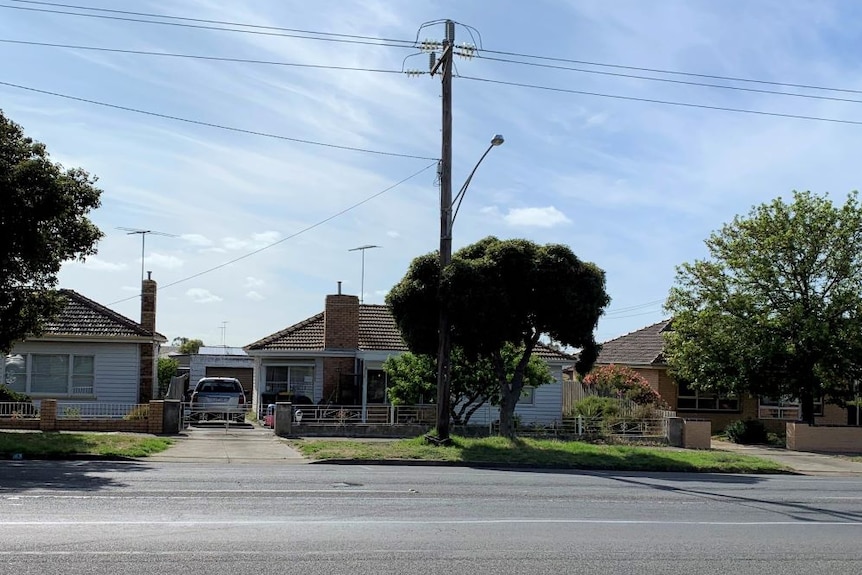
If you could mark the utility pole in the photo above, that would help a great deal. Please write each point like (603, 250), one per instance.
(444, 350)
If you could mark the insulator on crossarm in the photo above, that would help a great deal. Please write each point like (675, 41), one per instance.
(466, 50)
(428, 45)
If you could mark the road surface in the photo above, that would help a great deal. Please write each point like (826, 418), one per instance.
(126, 517)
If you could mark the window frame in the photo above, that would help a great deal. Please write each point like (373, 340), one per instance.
(783, 407)
(528, 396)
(715, 399)
(287, 385)
(73, 387)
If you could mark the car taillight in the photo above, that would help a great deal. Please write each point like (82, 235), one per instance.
(242, 399)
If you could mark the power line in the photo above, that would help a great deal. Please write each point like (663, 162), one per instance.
(672, 81)
(291, 236)
(675, 72)
(664, 102)
(212, 125)
(399, 43)
(304, 36)
(198, 56)
(205, 21)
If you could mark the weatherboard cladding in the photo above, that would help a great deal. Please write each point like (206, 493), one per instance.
(377, 332)
(642, 347)
(84, 317)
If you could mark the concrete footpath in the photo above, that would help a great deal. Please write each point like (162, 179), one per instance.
(799, 461)
(234, 444)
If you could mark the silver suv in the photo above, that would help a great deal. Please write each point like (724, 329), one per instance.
(218, 398)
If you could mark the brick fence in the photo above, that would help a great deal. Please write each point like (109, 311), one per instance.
(155, 422)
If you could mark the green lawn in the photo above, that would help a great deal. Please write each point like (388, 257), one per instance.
(54, 444)
(541, 453)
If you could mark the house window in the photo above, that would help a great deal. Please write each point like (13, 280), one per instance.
(15, 372)
(528, 396)
(784, 408)
(298, 379)
(689, 399)
(51, 374)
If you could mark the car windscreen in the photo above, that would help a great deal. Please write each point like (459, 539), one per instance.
(218, 387)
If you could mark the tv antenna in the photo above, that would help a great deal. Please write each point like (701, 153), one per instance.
(143, 234)
(362, 249)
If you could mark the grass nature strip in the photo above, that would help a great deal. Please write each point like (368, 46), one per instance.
(55, 444)
(540, 453)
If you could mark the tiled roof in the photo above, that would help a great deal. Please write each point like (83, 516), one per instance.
(641, 347)
(377, 332)
(86, 318)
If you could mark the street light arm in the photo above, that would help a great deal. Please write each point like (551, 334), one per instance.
(459, 197)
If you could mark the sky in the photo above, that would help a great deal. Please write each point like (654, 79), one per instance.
(259, 220)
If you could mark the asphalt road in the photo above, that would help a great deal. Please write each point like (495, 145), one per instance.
(99, 518)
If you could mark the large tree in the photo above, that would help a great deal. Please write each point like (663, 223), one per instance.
(44, 223)
(776, 308)
(413, 378)
(500, 292)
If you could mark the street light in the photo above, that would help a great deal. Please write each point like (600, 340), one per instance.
(444, 349)
(362, 249)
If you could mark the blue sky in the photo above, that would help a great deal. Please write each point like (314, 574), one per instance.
(633, 186)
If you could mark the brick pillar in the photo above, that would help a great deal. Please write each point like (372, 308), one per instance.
(148, 350)
(155, 416)
(48, 415)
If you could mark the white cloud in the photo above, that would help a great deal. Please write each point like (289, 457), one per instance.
(253, 295)
(251, 282)
(255, 242)
(169, 262)
(197, 240)
(94, 263)
(201, 295)
(547, 217)
(393, 234)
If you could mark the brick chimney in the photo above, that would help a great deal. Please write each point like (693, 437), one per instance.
(148, 351)
(340, 332)
(341, 321)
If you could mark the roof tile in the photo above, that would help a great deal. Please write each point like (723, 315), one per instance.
(83, 317)
(641, 347)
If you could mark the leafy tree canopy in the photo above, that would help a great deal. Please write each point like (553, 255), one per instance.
(413, 379)
(44, 224)
(500, 292)
(187, 346)
(776, 308)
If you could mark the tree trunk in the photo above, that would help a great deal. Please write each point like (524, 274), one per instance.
(507, 412)
(806, 405)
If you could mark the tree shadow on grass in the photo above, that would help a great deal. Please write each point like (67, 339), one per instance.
(17, 477)
(547, 458)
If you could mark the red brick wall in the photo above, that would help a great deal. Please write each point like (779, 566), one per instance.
(147, 350)
(335, 370)
(341, 322)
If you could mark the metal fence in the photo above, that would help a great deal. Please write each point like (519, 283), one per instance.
(209, 412)
(19, 410)
(373, 414)
(100, 410)
(651, 428)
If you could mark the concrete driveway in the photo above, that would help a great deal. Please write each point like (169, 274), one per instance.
(236, 443)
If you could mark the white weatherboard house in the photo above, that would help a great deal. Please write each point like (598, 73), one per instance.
(336, 357)
(89, 353)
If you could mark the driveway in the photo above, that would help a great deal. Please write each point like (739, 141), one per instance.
(800, 461)
(232, 444)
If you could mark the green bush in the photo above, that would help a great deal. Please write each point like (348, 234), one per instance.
(7, 395)
(746, 431)
(595, 406)
(138, 413)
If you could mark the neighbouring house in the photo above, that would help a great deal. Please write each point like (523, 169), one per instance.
(89, 353)
(642, 350)
(336, 357)
(222, 361)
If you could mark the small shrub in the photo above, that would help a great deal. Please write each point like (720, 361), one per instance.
(8, 394)
(138, 413)
(72, 412)
(746, 431)
(597, 407)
